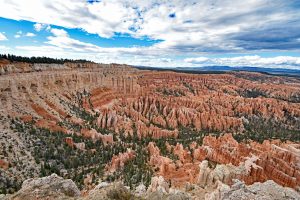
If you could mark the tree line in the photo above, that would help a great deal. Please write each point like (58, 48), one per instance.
(14, 58)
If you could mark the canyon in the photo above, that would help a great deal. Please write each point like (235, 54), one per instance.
(166, 130)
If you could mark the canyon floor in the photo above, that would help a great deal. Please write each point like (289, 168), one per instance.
(90, 128)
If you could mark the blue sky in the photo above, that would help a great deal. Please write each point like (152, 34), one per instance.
(163, 33)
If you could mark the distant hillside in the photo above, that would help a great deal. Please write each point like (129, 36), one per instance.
(244, 68)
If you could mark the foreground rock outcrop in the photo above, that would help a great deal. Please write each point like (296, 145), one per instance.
(105, 191)
(55, 187)
(268, 190)
(51, 188)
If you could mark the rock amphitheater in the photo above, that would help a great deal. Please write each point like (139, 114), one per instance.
(206, 136)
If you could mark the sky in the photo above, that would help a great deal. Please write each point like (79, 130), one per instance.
(158, 33)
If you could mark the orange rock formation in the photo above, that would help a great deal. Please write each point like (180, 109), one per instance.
(118, 161)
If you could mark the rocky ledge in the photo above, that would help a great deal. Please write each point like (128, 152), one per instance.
(55, 187)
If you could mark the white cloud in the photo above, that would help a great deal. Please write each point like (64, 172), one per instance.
(59, 32)
(42, 49)
(198, 60)
(2, 37)
(61, 39)
(165, 60)
(60, 44)
(30, 34)
(260, 61)
(20, 34)
(257, 61)
(38, 27)
(103, 18)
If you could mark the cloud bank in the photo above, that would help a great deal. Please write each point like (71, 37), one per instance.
(190, 26)
(188, 31)
(273, 62)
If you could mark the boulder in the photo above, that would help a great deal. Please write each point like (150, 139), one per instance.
(49, 187)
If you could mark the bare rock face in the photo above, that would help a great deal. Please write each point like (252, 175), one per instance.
(158, 184)
(50, 187)
(54, 187)
(114, 191)
(159, 190)
(140, 190)
(221, 173)
(268, 190)
(217, 194)
(171, 196)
